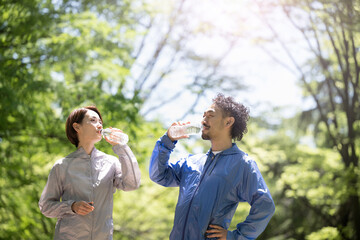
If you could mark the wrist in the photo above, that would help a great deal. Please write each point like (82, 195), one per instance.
(167, 142)
(171, 139)
(72, 207)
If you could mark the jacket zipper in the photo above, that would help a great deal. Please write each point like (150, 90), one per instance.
(92, 197)
(202, 177)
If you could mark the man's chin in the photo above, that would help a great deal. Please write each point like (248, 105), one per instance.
(205, 136)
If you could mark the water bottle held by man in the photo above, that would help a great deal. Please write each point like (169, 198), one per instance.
(191, 128)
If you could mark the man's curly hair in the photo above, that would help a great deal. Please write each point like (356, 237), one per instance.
(230, 108)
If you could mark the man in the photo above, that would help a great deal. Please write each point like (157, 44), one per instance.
(211, 185)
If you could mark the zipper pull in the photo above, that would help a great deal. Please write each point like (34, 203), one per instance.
(217, 156)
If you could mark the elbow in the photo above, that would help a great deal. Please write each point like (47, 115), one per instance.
(272, 208)
(156, 179)
(46, 214)
(45, 211)
(42, 208)
(269, 205)
(137, 184)
(156, 176)
(131, 187)
(152, 176)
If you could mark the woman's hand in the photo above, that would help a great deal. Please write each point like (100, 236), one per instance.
(113, 130)
(82, 207)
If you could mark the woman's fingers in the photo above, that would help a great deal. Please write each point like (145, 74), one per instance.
(82, 207)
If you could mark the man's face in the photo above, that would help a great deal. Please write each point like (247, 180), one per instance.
(213, 123)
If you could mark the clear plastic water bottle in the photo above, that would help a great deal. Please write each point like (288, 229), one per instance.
(188, 129)
(115, 136)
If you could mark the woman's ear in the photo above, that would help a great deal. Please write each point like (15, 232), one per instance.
(76, 126)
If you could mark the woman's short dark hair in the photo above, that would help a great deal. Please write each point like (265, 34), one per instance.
(77, 116)
(231, 108)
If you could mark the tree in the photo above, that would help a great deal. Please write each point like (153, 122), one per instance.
(59, 55)
(330, 78)
(306, 182)
(166, 51)
(45, 61)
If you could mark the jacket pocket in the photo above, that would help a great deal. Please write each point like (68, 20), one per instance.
(68, 228)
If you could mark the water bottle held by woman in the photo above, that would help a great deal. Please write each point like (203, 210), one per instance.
(115, 136)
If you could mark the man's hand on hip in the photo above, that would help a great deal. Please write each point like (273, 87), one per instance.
(216, 231)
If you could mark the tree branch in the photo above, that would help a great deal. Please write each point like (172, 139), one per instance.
(163, 103)
(303, 79)
(150, 65)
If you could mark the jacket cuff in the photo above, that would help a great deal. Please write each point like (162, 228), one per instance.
(70, 203)
(166, 142)
(118, 147)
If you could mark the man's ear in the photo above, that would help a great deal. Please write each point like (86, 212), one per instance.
(76, 126)
(230, 121)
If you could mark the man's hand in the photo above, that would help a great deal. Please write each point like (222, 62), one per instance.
(177, 124)
(82, 207)
(216, 232)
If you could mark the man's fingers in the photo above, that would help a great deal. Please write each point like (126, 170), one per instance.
(213, 235)
(215, 226)
(216, 231)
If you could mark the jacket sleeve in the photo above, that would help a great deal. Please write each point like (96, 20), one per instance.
(160, 171)
(127, 173)
(254, 190)
(49, 203)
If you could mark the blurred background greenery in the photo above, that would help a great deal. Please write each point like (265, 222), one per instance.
(144, 63)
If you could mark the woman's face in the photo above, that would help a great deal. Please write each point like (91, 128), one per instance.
(89, 129)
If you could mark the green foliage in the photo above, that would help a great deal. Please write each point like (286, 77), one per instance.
(330, 80)
(310, 185)
(326, 233)
(52, 61)
(146, 213)
(56, 56)
(59, 55)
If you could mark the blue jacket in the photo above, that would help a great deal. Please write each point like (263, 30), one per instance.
(210, 188)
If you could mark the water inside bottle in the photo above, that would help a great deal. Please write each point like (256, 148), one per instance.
(193, 129)
(114, 136)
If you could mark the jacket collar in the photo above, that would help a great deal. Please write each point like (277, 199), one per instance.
(80, 153)
(233, 150)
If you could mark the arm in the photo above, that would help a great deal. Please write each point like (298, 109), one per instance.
(160, 170)
(127, 175)
(49, 203)
(256, 193)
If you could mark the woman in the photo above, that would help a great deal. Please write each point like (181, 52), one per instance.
(80, 187)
